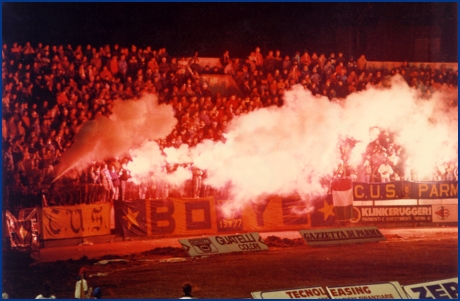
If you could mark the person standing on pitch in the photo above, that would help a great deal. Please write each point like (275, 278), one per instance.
(46, 292)
(187, 289)
(81, 286)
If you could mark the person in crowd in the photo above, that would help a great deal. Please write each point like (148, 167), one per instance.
(450, 171)
(50, 91)
(225, 59)
(115, 182)
(361, 63)
(107, 183)
(143, 186)
(367, 170)
(124, 176)
(197, 175)
(385, 171)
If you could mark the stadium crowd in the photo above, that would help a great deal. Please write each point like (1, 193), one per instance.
(49, 91)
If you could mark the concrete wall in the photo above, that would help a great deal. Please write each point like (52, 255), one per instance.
(211, 62)
(391, 65)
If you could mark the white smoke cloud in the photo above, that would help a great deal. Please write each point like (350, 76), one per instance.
(280, 150)
(275, 150)
(148, 161)
(289, 149)
(427, 129)
(132, 123)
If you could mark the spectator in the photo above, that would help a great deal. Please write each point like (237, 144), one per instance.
(107, 183)
(81, 286)
(385, 171)
(367, 170)
(229, 68)
(124, 176)
(361, 64)
(73, 86)
(28, 52)
(46, 292)
(286, 63)
(187, 290)
(225, 59)
(340, 58)
(115, 183)
(305, 59)
(97, 294)
(163, 66)
(259, 60)
(123, 67)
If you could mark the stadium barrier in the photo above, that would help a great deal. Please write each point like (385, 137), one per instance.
(210, 216)
(387, 65)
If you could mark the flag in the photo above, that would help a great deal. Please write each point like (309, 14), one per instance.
(342, 197)
(324, 214)
(20, 232)
(131, 218)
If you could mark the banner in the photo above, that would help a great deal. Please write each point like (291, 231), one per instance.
(390, 290)
(342, 197)
(405, 190)
(228, 218)
(166, 217)
(441, 289)
(341, 235)
(323, 214)
(204, 216)
(315, 292)
(75, 221)
(391, 214)
(277, 214)
(130, 218)
(223, 244)
(19, 232)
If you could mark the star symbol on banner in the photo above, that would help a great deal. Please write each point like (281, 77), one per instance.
(131, 218)
(327, 210)
(23, 232)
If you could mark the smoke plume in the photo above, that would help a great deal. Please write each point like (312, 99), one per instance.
(279, 150)
(132, 123)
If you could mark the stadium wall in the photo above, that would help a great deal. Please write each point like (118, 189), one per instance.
(207, 216)
(215, 62)
(410, 203)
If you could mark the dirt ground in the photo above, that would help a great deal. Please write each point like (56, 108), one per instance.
(408, 256)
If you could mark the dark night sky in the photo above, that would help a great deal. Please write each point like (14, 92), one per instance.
(210, 28)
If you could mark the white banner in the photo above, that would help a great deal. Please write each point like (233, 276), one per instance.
(389, 290)
(223, 244)
(341, 235)
(315, 292)
(441, 289)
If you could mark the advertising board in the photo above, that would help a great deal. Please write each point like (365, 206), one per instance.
(210, 245)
